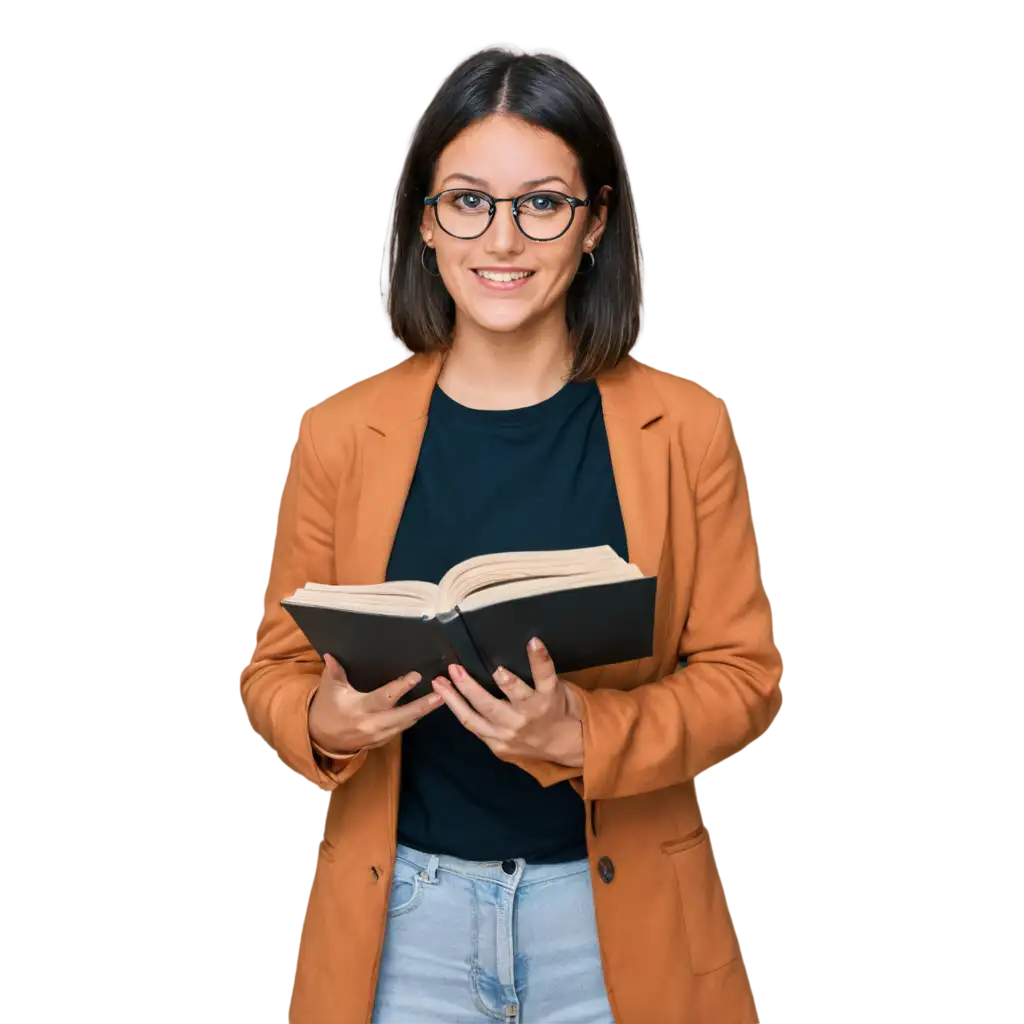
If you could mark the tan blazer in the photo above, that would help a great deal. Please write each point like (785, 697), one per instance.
(668, 947)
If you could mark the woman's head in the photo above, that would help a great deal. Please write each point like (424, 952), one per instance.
(504, 125)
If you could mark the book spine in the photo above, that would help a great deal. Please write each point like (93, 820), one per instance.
(454, 628)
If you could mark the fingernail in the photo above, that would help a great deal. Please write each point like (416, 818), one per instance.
(412, 678)
(435, 699)
(536, 645)
(500, 675)
(456, 670)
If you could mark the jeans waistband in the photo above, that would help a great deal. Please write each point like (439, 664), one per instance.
(491, 870)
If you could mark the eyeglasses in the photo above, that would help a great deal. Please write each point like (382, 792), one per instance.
(541, 216)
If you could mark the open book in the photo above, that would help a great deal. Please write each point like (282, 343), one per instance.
(588, 605)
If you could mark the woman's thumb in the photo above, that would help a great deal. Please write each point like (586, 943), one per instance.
(334, 670)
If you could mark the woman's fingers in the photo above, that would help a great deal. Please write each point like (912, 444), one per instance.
(333, 670)
(511, 685)
(389, 694)
(542, 668)
(395, 720)
(472, 720)
(483, 702)
(346, 719)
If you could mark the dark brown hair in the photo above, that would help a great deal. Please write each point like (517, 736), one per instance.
(602, 305)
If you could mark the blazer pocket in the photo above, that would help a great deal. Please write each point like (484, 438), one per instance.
(710, 935)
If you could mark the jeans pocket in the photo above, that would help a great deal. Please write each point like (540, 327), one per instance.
(710, 935)
(407, 888)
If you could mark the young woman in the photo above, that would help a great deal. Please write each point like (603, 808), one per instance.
(541, 857)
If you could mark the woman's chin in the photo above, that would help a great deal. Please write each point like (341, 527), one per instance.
(501, 321)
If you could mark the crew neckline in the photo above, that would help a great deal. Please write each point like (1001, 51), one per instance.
(566, 396)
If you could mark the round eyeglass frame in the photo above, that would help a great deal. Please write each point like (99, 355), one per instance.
(492, 202)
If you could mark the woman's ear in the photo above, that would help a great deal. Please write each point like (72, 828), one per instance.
(597, 220)
(427, 226)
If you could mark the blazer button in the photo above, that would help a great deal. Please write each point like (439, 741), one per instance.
(606, 869)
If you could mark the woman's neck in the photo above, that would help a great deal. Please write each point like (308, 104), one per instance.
(490, 370)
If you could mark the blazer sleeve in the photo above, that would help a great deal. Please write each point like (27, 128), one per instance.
(282, 676)
(664, 733)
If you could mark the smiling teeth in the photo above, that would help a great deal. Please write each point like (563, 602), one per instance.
(491, 276)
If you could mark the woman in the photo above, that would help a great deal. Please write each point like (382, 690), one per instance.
(538, 858)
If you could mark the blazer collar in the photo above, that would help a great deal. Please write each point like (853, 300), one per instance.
(397, 415)
(403, 393)
(403, 396)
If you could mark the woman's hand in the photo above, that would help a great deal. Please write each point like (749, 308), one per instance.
(343, 719)
(542, 721)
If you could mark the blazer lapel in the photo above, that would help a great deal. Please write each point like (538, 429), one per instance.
(640, 463)
(393, 434)
(640, 460)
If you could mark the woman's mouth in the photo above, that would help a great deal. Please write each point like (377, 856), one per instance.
(503, 280)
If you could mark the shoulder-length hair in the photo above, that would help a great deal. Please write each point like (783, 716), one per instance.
(602, 305)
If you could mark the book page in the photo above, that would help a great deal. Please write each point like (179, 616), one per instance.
(485, 571)
(398, 597)
(499, 592)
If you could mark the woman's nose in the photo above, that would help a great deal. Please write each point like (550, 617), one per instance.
(503, 234)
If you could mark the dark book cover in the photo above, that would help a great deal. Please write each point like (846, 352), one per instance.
(374, 649)
(582, 628)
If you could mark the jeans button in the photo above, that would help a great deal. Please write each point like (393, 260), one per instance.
(508, 866)
(606, 869)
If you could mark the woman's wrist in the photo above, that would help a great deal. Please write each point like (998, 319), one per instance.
(569, 744)
(318, 741)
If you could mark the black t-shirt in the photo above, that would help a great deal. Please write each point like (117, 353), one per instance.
(528, 479)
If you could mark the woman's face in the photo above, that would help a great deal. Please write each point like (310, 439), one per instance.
(504, 156)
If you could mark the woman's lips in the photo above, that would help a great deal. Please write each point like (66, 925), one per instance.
(503, 286)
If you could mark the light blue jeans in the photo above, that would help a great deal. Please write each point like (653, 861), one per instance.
(470, 942)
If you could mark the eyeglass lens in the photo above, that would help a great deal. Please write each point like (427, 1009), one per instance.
(466, 214)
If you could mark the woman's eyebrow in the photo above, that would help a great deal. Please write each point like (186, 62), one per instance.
(465, 177)
(544, 181)
(482, 183)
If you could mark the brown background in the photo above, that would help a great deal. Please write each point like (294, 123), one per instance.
(188, 204)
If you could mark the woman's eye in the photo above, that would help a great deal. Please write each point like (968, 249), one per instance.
(543, 203)
(468, 200)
